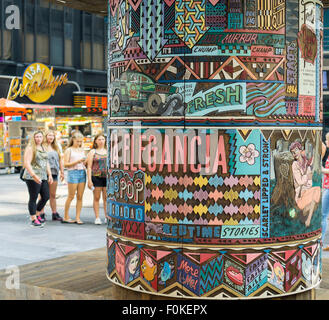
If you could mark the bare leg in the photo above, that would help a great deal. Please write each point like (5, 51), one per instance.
(308, 221)
(97, 196)
(72, 188)
(80, 191)
(52, 191)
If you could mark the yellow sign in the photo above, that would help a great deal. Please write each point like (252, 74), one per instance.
(2, 157)
(15, 154)
(38, 83)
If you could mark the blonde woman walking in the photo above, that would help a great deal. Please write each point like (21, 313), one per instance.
(56, 164)
(37, 175)
(74, 161)
(96, 169)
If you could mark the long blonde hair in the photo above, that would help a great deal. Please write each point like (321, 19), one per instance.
(33, 146)
(54, 144)
(74, 136)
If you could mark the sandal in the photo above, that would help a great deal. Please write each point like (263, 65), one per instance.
(79, 222)
(68, 221)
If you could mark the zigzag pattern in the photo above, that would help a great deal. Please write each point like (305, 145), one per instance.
(216, 15)
(230, 196)
(211, 275)
(232, 143)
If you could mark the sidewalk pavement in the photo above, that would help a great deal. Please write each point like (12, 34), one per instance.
(21, 244)
(20, 195)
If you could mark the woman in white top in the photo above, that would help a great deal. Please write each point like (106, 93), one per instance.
(74, 161)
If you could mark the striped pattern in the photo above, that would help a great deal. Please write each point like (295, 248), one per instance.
(271, 14)
(266, 99)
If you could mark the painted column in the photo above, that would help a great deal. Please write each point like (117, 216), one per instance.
(214, 180)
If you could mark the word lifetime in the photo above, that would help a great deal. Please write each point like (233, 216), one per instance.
(178, 150)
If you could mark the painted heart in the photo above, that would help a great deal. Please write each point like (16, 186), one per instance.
(213, 2)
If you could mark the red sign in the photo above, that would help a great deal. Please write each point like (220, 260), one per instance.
(307, 44)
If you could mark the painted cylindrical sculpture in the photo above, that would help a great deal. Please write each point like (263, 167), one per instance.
(214, 131)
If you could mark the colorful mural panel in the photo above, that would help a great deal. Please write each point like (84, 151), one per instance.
(219, 273)
(214, 186)
(156, 45)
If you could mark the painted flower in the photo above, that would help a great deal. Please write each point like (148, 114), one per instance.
(248, 154)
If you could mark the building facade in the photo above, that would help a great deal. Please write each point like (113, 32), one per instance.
(60, 51)
(72, 41)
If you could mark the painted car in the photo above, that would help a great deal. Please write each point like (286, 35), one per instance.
(135, 92)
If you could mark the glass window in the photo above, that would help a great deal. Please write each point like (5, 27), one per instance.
(43, 18)
(43, 48)
(42, 45)
(29, 31)
(68, 36)
(325, 79)
(43, 3)
(86, 41)
(57, 35)
(98, 44)
(5, 34)
(326, 113)
(57, 54)
(326, 29)
(57, 20)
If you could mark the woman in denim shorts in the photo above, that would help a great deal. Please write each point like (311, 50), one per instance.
(96, 172)
(74, 161)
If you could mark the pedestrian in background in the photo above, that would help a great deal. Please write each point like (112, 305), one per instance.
(59, 141)
(96, 171)
(74, 161)
(325, 188)
(37, 175)
(56, 163)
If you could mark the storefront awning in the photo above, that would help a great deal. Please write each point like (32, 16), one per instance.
(9, 107)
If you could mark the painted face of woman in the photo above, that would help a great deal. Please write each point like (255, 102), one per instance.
(296, 153)
(133, 264)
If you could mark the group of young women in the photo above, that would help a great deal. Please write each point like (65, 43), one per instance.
(44, 164)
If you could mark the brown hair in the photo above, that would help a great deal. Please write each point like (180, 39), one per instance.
(96, 137)
(306, 162)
